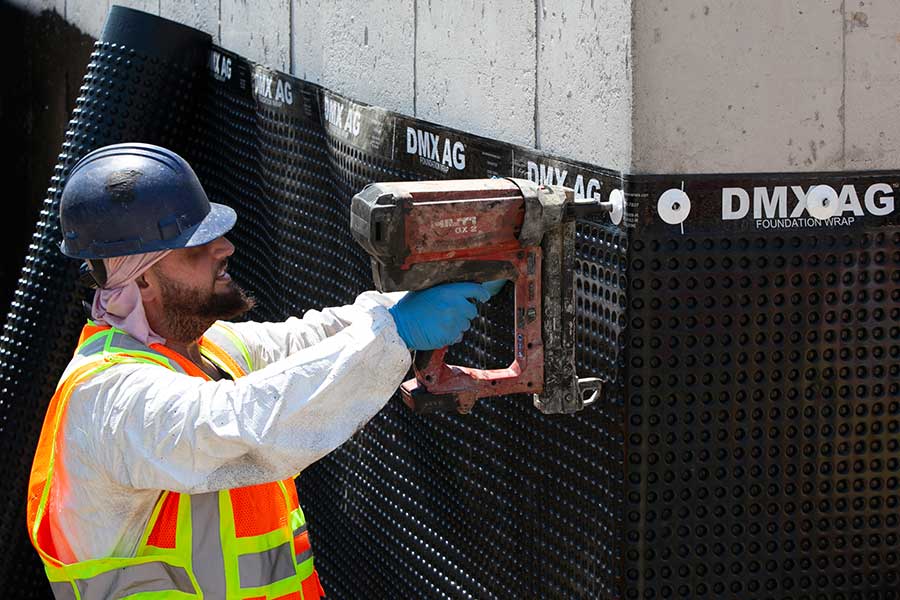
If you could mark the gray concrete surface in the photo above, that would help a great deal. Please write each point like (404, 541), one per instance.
(737, 86)
(362, 49)
(87, 15)
(872, 78)
(648, 86)
(260, 31)
(584, 81)
(475, 67)
(202, 15)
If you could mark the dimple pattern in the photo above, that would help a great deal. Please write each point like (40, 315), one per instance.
(762, 416)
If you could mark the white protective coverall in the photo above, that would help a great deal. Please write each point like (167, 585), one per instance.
(135, 429)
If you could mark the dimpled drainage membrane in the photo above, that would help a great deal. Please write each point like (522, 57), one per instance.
(745, 445)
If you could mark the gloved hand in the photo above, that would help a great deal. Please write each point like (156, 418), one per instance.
(437, 317)
(494, 286)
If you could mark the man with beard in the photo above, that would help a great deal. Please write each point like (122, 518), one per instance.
(166, 461)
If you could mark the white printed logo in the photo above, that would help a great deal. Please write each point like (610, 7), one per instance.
(434, 152)
(458, 225)
(344, 118)
(550, 175)
(272, 90)
(220, 66)
(792, 206)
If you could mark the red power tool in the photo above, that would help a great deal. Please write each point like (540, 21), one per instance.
(423, 233)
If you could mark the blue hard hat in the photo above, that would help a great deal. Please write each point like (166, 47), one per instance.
(133, 198)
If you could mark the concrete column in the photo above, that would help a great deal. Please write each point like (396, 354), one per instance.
(89, 16)
(475, 67)
(260, 31)
(737, 86)
(871, 80)
(584, 103)
(364, 50)
(202, 15)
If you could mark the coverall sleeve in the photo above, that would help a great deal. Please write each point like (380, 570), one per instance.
(270, 342)
(146, 427)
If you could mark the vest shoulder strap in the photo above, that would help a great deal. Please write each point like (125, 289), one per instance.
(226, 348)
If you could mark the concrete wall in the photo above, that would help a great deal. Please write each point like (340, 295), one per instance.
(648, 86)
(769, 85)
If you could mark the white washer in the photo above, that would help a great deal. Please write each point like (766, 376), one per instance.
(822, 202)
(617, 199)
(674, 206)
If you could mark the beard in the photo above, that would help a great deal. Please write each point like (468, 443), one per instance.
(189, 312)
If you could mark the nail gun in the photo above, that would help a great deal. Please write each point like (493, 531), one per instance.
(423, 233)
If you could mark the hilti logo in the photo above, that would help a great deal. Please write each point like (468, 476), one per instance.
(459, 224)
(434, 152)
(345, 118)
(791, 202)
(271, 90)
(550, 175)
(220, 66)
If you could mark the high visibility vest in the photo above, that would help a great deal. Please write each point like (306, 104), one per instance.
(247, 543)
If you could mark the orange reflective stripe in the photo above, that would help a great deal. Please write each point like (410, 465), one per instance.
(40, 480)
(89, 330)
(223, 357)
(189, 367)
(258, 509)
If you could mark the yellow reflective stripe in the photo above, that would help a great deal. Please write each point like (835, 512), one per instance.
(296, 519)
(272, 590)
(145, 356)
(136, 580)
(215, 360)
(88, 569)
(228, 535)
(142, 545)
(305, 569)
(163, 595)
(183, 528)
(261, 543)
(237, 341)
(108, 342)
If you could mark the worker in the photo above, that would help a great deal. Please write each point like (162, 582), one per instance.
(167, 456)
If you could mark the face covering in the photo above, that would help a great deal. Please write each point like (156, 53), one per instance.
(118, 304)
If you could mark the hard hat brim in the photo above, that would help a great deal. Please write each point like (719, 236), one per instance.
(218, 222)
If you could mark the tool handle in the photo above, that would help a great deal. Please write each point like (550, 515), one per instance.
(437, 383)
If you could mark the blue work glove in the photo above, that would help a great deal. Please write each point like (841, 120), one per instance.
(494, 286)
(437, 317)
